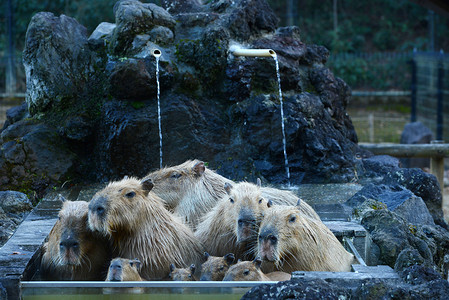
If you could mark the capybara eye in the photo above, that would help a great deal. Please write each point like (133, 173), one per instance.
(231, 200)
(260, 200)
(130, 194)
(190, 275)
(292, 219)
(246, 272)
(221, 268)
(176, 175)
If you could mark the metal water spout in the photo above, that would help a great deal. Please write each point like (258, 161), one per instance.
(253, 52)
(156, 52)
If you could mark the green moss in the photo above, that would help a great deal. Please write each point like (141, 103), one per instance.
(137, 104)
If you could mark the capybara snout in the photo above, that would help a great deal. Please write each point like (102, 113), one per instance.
(98, 206)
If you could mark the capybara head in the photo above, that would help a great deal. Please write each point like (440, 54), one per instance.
(71, 238)
(182, 274)
(215, 267)
(246, 206)
(245, 271)
(123, 269)
(119, 206)
(172, 183)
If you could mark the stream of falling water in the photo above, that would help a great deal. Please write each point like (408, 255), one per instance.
(282, 119)
(159, 111)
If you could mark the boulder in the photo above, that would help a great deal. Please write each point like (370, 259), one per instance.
(57, 61)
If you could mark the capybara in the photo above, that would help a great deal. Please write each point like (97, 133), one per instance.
(232, 225)
(139, 225)
(295, 242)
(182, 274)
(123, 269)
(73, 250)
(215, 267)
(250, 271)
(191, 190)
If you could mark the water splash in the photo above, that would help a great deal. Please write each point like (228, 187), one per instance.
(287, 170)
(159, 110)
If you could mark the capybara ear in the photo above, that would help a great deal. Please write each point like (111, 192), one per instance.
(257, 262)
(199, 168)
(228, 188)
(137, 263)
(229, 258)
(206, 255)
(299, 202)
(147, 185)
(192, 268)
(126, 177)
(62, 198)
(258, 182)
(172, 267)
(270, 203)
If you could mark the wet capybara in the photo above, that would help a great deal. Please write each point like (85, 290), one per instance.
(250, 271)
(189, 189)
(182, 274)
(232, 225)
(294, 242)
(215, 267)
(139, 225)
(73, 250)
(123, 269)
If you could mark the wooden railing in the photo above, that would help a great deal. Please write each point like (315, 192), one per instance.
(436, 151)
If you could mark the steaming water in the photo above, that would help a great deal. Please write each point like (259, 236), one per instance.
(287, 170)
(159, 110)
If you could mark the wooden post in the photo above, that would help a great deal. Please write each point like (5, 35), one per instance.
(437, 166)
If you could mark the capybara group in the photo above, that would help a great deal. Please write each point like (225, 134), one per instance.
(73, 250)
(123, 269)
(215, 267)
(139, 226)
(250, 271)
(295, 242)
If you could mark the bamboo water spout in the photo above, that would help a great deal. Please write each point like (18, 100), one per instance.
(253, 52)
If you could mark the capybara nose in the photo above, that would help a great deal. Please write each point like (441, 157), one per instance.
(98, 206)
(99, 210)
(69, 243)
(268, 235)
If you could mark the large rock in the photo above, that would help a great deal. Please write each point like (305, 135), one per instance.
(397, 199)
(32, 157)
(416, 133)
(57, 61)
(423, 185)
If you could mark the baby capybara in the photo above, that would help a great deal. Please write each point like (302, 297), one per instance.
(123, 269)
(139, 225)
(73, 250)
(294, 242)
(250, 271)
(215, 267)
(182, 274)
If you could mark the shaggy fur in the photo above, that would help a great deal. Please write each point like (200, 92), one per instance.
(123, 269)
(215, 267)
(250, 271)
(298, 243)
(73, 251)
(139, 225)
(189, 189)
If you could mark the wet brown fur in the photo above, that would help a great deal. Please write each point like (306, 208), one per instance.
(123, 269)
(215, 267)
(90, 262)
(250, 271)
(303, 244)
(140, 226)
(189, 189)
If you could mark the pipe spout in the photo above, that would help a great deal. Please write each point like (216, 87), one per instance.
(253, 52)
(156, 52)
